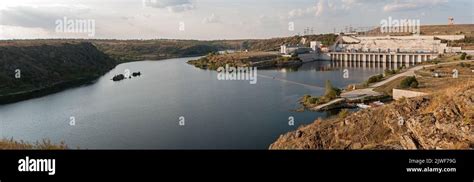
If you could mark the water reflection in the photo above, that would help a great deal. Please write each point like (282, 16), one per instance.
(325, 65)
(370, 64)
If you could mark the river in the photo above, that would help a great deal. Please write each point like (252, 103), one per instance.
(145, 112)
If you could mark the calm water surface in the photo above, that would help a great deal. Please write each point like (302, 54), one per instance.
(143, 112)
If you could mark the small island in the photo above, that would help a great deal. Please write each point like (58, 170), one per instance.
(120, 77)
(214, 60)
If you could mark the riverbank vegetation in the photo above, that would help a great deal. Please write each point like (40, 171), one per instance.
(330, 93)
(374, 79)
(244, 59)
(10, 144)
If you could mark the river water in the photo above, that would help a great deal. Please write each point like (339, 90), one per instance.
(145, 112)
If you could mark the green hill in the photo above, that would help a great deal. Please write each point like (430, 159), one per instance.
(31, 70)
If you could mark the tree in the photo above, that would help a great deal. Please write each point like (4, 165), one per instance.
(409, 82)
(328, 87)
(463, 56)
(330, 91)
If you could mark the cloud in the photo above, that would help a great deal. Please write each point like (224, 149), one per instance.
(170, 5)
(329, 7)
(39, 16)
(400, 7)
(408, 5)
(212, 19)
(342, 7)
(316, 10)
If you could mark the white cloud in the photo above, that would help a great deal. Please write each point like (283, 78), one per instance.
(316, 10)
(399, 7)
(170, 5)
(330, 7)
(411, 5)
(14, 32)
(39, 16)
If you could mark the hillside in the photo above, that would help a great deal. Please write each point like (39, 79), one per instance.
(443, 120)
(158, 49)
(465, 29)
(274, 44)
(133, 50)
(45, 68)
(136, 50)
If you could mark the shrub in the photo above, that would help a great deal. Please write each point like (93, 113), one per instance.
(328, 87)
(324, 100)
(463, 56)
(409, 82)
(313, 100)
(414, 84)
(332, 94)
(388, 72)
(375, 78)
(330, 91)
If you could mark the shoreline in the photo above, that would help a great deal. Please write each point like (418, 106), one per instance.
(391, 126)
(348, 99)
(40, 92)
(15, 97)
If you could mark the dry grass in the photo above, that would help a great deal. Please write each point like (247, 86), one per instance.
(388, 87)
(442, 96)
(465, 29)
(45, 144)
(430, 84)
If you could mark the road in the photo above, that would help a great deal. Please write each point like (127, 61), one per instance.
(410, 72)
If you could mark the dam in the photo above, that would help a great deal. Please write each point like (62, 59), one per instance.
(387, 50)
(387, 59)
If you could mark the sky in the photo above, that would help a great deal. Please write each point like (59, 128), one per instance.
(213, 19)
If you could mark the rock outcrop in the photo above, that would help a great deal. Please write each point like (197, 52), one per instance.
(444, 120)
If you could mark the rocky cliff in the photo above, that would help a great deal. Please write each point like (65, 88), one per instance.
(443, 120)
